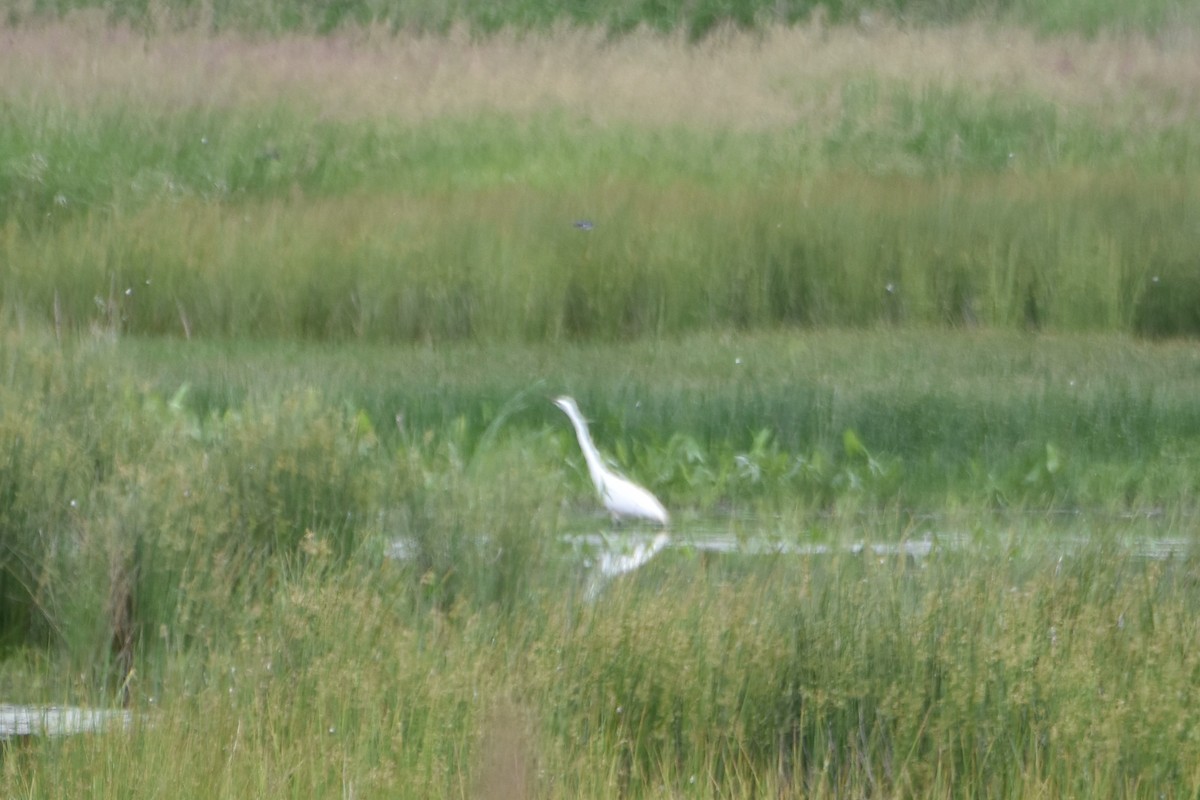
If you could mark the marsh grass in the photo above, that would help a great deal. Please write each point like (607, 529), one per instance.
(924, 690)
(278, 471)
(163, 466)
(838, 192)
(1069, 253)
(236, 532)
(981, 416)
(843, 677)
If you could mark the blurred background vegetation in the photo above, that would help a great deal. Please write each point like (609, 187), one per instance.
(695, 18)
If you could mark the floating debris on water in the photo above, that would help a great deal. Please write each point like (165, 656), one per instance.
(23, 721)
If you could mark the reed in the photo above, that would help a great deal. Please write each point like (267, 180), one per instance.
(1067, 253)
(140, 202)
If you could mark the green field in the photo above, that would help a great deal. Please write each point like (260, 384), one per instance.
(286, 289)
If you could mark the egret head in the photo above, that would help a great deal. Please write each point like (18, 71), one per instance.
(566, 403)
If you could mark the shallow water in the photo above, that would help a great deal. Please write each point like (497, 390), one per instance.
(609, 552)
(1151, 547)
(22, 721)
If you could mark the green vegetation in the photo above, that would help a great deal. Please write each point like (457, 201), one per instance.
(506, 264)
(1000, 676)
(235, 528)
(285, 289)
(870, 200)
(698, 18)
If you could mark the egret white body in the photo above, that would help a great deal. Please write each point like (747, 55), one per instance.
(622, 497)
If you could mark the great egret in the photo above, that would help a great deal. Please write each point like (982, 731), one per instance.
(621, 496)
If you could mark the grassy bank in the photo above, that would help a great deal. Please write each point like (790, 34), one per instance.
(816, 181)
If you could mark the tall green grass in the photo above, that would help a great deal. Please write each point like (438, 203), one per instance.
(861, 200)
(952, 210)
(1005, 674)
(218, 555)
(189, 475)
(66, 155)
(1067, 252)
(950, 410)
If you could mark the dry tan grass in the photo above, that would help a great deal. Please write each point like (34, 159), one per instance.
(740, 81)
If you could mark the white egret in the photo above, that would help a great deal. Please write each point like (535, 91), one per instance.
(621, 496)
